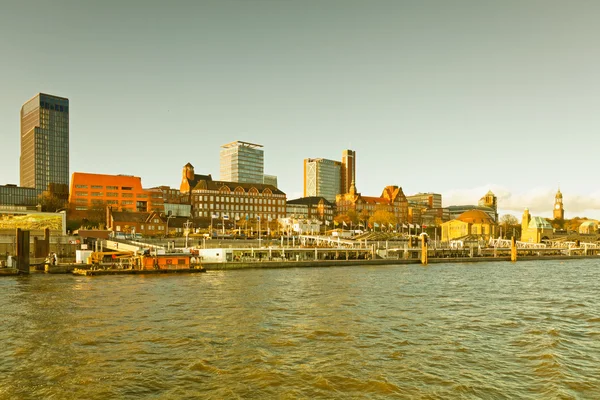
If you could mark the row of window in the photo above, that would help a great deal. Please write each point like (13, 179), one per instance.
(237, 216)
(241, 207)
(112, 194)
(50, 106)
(100, 187)
(238, 200)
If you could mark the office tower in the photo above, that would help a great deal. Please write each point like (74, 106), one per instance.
(270, 180)
(348, 169)
(45, 144)
(322, 178)
(242, 162)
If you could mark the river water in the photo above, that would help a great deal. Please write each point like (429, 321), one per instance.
(482, 330)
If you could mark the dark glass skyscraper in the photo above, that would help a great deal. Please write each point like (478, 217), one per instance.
(45, 143)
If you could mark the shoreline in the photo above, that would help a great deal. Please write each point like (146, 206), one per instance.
(75, 269)
(343, 263)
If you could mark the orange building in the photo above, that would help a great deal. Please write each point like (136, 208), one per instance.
(120, 192)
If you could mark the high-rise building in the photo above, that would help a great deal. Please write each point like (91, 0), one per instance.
(270, 180)
(45, 143)
(348, 169)
(242, 162)
(322, 178)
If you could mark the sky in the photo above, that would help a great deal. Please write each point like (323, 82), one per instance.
(451, 97)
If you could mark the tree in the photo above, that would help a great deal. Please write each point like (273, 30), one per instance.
(96, 215)
(50, 202)
(508, 220)
(341, 218)
(353, 216)
(509, 224)
(383, 218)
(363, 216)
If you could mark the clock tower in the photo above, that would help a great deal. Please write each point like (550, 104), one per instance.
(559, 212)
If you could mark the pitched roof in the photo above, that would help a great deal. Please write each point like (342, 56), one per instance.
(130, 216)
(539, 223)
(310, 201)
(209, 184)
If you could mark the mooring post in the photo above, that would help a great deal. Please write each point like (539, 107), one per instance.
(424, 249)
(513, 249)
(22, 238)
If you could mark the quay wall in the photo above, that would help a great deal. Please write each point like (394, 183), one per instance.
(345, 263)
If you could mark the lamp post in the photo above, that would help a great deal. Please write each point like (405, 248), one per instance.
(187, 226)
(212, 216)
(259, 239)
(168, 218)
(223, 217)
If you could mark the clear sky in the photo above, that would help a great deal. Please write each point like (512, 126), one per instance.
(452, 97)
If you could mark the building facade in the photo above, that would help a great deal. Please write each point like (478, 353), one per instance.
(427, 200)
(120, 192)
(392, 199)
(535, 229)
(348, 170)
(235, 200)
(312, 208)
(476, 224)
(16, 196)
(270, 180)
(242, 162)
(45, 144)
(322, 178)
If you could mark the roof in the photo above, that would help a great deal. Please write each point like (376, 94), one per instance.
(539, 223)
(310, 201)
(590, 224)
(130, 216)
(205, 184)
(375, 200)
(475, 217)
(469, 207)
(240, 143)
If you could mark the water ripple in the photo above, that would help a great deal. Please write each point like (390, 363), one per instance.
(489, 330)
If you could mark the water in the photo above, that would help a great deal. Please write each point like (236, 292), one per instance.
(485, 330)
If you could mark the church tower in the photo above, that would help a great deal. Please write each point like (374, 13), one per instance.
(559, 212)
(525, 220)
(491, 201)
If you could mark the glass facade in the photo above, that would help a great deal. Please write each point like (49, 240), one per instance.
(19, 196)
(322, 178)
(242, 162)
(45, 142)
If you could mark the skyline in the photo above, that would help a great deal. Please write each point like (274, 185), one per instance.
(440, 97)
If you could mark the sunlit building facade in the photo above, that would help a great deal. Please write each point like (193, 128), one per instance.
(322, 178)
(242, 162)
(45, 143)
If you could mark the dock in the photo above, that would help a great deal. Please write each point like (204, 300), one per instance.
(9, 271)
(114, 271)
